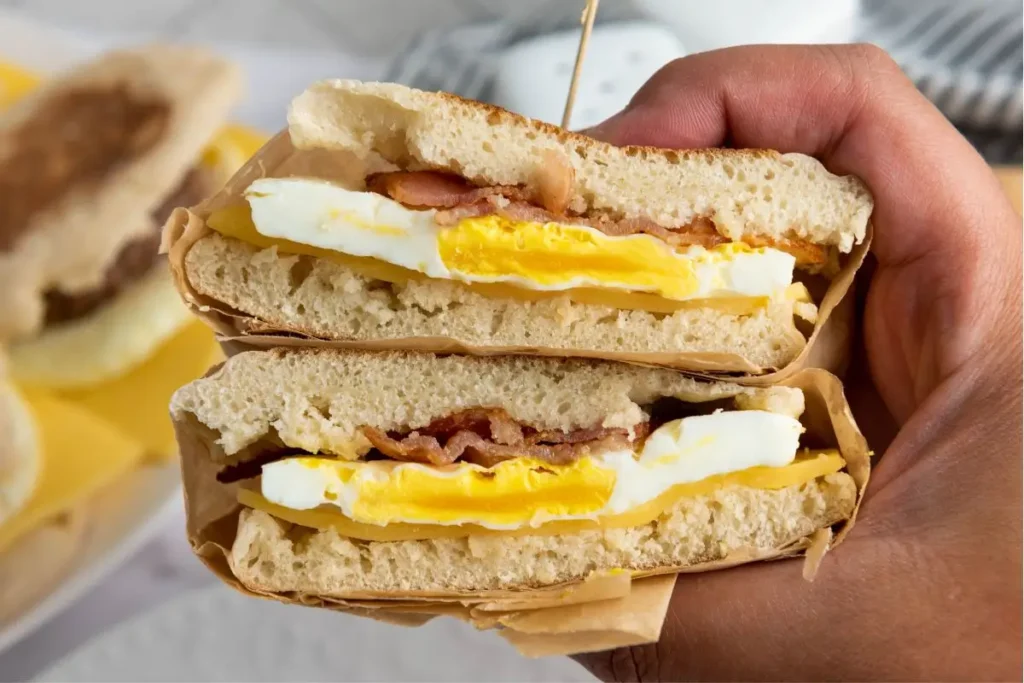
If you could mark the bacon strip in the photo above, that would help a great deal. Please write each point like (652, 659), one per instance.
(487, 436)
(432, 189)
(457, 200)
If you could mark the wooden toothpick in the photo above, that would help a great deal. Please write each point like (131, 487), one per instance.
(589, 14)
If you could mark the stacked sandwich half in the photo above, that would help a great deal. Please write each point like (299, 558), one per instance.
(458, 338)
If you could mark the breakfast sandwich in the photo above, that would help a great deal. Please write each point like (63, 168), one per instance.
(92, 161)
(342, 474)
(390, 218)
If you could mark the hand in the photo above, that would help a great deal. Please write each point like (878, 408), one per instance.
(928, 583)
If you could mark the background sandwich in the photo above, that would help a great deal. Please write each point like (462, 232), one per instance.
(405, 219)
(91, 163)
(344, 475)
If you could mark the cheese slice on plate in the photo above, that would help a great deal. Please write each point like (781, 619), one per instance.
(137, 403)
(81, 454)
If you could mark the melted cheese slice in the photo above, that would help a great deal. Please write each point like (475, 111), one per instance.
(137, 402)
(807, 467)
(80, 455)
(236, 222)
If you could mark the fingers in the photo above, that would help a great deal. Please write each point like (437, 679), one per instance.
(879, 608)
(947, 241)
(757, 622)
(796, 99)
(850, 106)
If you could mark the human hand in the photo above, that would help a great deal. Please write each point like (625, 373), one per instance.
(928, 584)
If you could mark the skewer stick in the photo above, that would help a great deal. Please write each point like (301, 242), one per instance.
(589, 14)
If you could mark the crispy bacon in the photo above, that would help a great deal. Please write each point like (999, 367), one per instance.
(806, 253)
(487, 436)
(423, 189)
(458, 199)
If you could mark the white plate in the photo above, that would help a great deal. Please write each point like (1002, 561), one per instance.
(132, 510)
(217, 634)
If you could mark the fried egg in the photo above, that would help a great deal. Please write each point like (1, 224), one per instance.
(493, 249)
(752, 447)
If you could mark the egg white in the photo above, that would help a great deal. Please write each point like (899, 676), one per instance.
(320, 214)
(683, 451)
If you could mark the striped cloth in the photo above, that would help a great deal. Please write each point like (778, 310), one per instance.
(964, 55)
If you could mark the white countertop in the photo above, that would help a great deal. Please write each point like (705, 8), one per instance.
(164, 568)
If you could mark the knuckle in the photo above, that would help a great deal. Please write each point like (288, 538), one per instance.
(860, 71)
(625, 664)
(663, 80)
(868, 62)
(873, 55)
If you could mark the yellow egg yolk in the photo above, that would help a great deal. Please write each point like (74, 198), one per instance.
(493, 247)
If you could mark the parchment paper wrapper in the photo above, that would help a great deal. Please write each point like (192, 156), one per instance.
(606, 609)
(826, 346)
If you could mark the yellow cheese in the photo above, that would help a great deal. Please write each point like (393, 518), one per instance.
(15, 83)
(232, 147)
(137, 403)
(807, 467)
(236, 222)
(80, 455)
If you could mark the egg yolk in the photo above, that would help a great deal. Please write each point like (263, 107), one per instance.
(512, 491)
(553, 254)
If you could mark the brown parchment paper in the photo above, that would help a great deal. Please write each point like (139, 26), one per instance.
(606, 609)
(825, 347)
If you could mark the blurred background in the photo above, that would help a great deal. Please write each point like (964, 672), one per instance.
(146, 609)
(964, 54)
